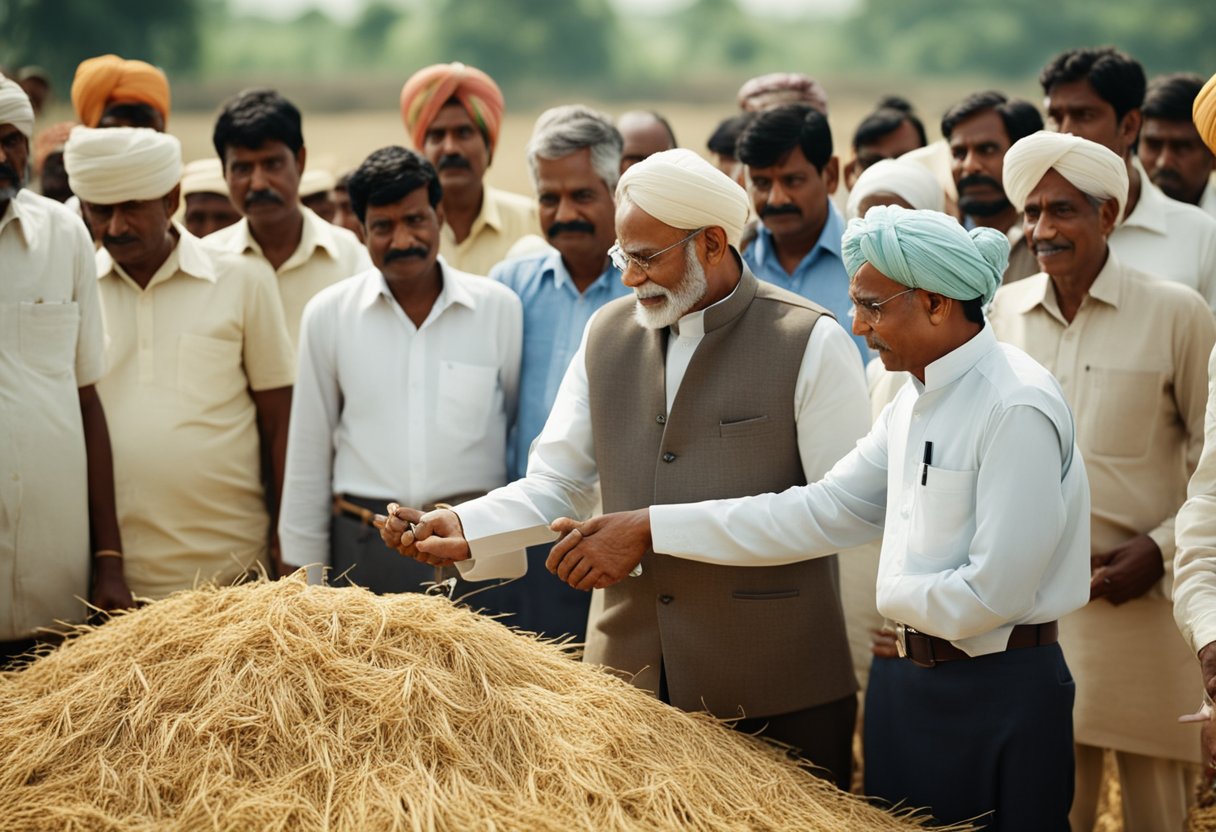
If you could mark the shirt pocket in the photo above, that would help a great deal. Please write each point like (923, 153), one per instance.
(1120, 411)
(209, 370)
(49, 332)
(943, 515)
(467, 398)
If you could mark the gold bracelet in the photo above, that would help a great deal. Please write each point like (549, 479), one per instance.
(107, 553)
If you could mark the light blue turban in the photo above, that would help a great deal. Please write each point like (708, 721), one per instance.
(927, 250)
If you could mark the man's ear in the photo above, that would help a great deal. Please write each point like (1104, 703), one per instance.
(831, 175)
(173, 199)
(851, 173)
(716, 245)
(938, 307)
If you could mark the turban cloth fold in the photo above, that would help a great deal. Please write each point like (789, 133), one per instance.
(427, 90)
(681, 189)
(15, 107)
(204, 176)
(1091, 167)
(1204, 113)
(927, 250)
(109, 79)
(910, 181)
(777, 89)
(121, 164)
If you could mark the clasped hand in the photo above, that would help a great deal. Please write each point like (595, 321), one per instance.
(434, 538)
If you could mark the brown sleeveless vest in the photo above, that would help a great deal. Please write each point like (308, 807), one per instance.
(754, 640)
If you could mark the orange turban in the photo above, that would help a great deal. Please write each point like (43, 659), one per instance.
(1205, 113)
(109, 79)
(427, 90)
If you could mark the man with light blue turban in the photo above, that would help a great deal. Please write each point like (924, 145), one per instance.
(972, 478)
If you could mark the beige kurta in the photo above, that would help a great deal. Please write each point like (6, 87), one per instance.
(325, 255)
(50, 345)
(1133, 366)
(183, 355)
(505, 218)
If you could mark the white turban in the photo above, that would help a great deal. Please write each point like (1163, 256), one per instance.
(204, 176)
(120, 164)
(15, 107)
(910, 181)
(316, 181)
(681, 189)
(1091, 167)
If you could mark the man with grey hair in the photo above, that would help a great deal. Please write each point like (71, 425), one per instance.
(574, 157)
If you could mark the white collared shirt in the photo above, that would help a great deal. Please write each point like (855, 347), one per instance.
(994, 533)
(831, 411)
(387, 410)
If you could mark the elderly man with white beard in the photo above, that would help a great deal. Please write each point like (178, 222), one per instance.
(706, 383)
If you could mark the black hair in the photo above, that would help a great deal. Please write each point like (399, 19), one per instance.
(1171, 97)
(1021, 118)
(134, 114)
(343, 181)
(255, 117)
(388, 175)
(973, 310)
(725, 137)
(1117, 77)
(773, 134)
(892, 111)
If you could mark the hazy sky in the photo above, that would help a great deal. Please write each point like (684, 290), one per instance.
(347, 9)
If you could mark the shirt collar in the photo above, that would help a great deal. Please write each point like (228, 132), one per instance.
(454, 290)
(829, 239)
(1106, 288)
(316, 233)
(490, 213)
(188, 257)
(955, 364)
(554, 266)
(20, 215)
(1150, 209)
(696, 324)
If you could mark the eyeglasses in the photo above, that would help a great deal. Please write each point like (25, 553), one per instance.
(870, 311)
(621, 258)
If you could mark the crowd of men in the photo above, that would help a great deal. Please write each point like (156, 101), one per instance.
(981, 377)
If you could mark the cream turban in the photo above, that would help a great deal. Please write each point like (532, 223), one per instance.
(204, 176)
(120, 164)
(316, 181)
(910, 181)
(1089, 166)
(15, 107)
(1204, 113)
(927, 250)
(681, 189)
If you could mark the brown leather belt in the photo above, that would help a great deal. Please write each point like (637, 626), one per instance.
(926, 650)
(364, 509)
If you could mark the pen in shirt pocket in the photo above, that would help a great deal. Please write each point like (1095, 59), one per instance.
(924, 470)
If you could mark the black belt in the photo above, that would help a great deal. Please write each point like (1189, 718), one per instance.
(364, 509)
(926, 650)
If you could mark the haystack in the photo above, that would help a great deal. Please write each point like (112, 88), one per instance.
(280, 706)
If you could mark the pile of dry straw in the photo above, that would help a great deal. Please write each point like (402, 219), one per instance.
(283, 706)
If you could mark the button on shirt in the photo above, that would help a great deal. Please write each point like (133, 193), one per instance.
(50, 345)
(555, 315)
(385, 409)
(504, 218)
(819, 277)
(994, 533)
(326, 254)
(183, 354)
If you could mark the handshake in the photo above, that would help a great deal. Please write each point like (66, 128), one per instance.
(593, 554)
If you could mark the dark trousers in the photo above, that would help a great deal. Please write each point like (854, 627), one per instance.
(988, 738)
(358, 556)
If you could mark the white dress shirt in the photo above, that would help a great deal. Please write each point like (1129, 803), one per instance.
(831, 412)
(993, 532)
(384, 409)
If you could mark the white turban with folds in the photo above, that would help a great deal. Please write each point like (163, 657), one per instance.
(204, 176)
(1091, 167)
(681, 189)
(120, 164)
(15, 107)
(910, 181)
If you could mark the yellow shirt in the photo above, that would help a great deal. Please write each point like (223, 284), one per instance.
(183, 356)
(504, 219)
(1133, 367)
(325, 255)
(50, 345)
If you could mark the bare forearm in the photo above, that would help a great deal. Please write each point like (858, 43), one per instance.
(103, 517)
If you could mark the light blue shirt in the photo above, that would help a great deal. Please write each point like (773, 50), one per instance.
(820, 277)
(555, 315)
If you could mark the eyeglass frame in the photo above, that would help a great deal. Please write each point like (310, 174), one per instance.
(617, 254)
(871, 310)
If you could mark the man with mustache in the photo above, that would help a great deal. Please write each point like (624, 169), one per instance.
(1130, 352)
(198, 386)
(57, 518)
(1097, 94)
(453, 113)
(889, 132)
(260, 144)
(705, 383)
(408, 381)
(979, 129)
(1170, 148)
(791, 175)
